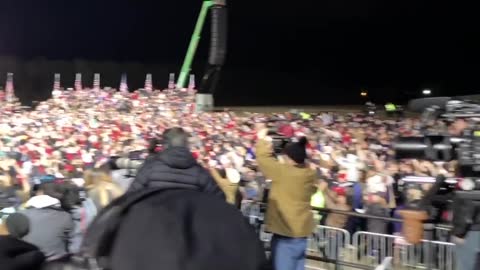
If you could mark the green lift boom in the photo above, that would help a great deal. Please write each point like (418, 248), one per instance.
(192, 48)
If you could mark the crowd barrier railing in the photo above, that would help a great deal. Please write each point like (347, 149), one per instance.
(373, 248)
(366, 250)
(330, 242)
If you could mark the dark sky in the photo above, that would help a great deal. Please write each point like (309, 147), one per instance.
(297, 52)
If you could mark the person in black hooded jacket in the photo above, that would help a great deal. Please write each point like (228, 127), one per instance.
(175, 229)
(175, 168)
(16, 254)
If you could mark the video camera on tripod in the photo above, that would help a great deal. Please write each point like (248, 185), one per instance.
(463, 147)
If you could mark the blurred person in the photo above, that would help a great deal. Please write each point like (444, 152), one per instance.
(3, 228)
(83, 211)
(100, 188)
(350, 162)
(17, 225)
(51, 226)
(8, 196)
(335, 199)
(318, 201)
(252, 185)
(376, 203)
(173, 228)
(354, 223)
(12, 195)
(16, 254)
(175, 166)
(289, 215)
(410, 197)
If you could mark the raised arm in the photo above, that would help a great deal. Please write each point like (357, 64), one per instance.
(222, 182)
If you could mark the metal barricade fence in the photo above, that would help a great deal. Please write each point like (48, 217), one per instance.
(443, 234)
(329, 242)
(252, 211)
(372, 248)
(367, 248)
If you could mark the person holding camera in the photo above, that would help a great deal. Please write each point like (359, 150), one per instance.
(289, 215)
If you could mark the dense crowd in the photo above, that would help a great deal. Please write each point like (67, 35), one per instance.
(66, 143)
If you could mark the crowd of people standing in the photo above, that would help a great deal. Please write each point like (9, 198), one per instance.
(55, 173)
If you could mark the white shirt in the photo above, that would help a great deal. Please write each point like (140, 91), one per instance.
(351, 164)
(27, 167)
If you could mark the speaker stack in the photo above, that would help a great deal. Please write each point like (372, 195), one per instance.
(218, 39)
(216, 58)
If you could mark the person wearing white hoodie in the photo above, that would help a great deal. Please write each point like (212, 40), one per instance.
(51, 226)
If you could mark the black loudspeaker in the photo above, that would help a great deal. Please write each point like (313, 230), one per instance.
(218, 41)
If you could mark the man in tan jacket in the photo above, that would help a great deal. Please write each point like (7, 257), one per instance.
(289, 215)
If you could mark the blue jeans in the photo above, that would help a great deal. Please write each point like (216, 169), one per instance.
(467, 252)
(288, 253)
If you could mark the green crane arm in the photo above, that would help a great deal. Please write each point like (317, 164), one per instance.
(192, 48)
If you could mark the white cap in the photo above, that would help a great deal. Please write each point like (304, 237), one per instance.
(213, 163)
(224, 160)
(233, 175)
(78, 181)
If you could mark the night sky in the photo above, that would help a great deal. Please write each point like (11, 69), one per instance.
(280, 52)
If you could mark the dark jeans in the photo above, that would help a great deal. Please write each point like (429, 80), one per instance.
(288, 253)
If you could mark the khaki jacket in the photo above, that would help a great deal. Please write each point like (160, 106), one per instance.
(288, 211)
(230, 189)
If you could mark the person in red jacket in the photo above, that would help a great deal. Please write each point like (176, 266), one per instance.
(287, 130)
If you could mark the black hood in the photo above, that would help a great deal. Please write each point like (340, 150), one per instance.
(175, 168)
(178, 158)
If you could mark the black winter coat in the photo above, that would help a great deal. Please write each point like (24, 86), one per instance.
(19, 255)
(175, 168)
(186, 230)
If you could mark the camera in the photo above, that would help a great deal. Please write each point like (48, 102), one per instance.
(173, 137)
(132, 162)
(279, 141)
(461, 192)
(370, 108)
(443, 147)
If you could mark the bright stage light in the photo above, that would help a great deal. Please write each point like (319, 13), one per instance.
(427, 92)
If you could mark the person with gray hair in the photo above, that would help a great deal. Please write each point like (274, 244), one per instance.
(175, 167)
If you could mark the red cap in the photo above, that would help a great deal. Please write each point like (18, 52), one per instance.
(340, 191)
